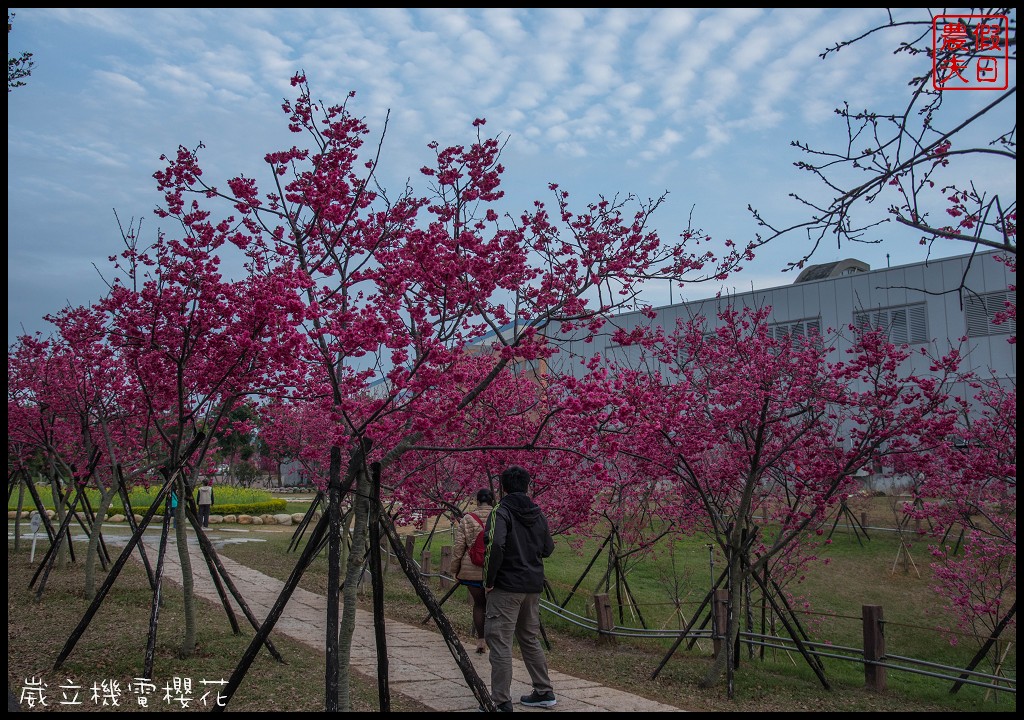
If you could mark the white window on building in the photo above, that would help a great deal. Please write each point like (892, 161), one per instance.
(905, 324)
(806, 328)
(982, 310)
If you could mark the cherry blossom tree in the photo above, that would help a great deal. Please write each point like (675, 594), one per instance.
(297, 432)
(194, 345)
(69, 401)
(969, 504)
(397, 289)
(512, 421)
(94, 395)
(36, 425)
(766, 436)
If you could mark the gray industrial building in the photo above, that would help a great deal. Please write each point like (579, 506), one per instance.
(918, 304)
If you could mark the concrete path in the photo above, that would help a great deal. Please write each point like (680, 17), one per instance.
(421, 666)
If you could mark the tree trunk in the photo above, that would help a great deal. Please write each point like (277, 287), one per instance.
(188, 640)
(724, 659)
(92, 553)
(356, 555)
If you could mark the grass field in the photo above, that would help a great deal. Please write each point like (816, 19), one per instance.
(858, 573)
(782, 679)
(113, 649)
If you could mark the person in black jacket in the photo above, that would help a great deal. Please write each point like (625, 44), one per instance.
(518, 540)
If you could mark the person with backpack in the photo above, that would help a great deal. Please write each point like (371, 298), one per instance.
(468, 559)
(518, 540)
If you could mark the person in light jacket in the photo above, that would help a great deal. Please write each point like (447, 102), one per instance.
(204, 499)
(468, 574)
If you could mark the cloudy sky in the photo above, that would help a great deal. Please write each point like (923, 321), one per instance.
(700, 103)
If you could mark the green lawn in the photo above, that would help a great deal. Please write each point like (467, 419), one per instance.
(113, 649)
(856, 575)
(666, 587)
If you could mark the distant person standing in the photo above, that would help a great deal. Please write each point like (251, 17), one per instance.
(518, 540)
(204, 500)
(174, 509)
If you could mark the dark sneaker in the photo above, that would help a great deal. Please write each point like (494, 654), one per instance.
(536, 699)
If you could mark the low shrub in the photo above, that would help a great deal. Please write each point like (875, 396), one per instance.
(228, 501)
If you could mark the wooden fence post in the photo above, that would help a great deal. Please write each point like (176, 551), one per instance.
(425, 565)
(720, 607)
(864, 519)
(446, 567)
(874, 647)
(605, 623)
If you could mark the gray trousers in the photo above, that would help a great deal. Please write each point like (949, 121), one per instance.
(515, 615)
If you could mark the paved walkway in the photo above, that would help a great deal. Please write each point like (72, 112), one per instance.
(421, 665)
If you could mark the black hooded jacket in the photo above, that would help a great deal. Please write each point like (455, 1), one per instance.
(518, 540)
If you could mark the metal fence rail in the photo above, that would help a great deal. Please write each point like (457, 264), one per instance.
(1000, 683)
